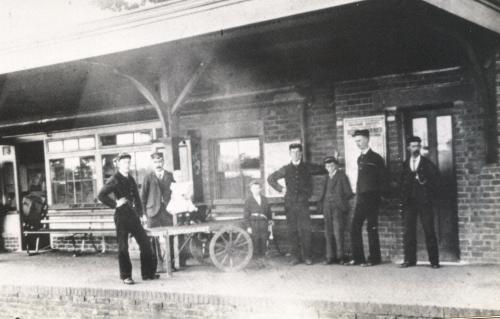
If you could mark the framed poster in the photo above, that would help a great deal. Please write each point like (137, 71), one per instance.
(276, 155)
(376, 126)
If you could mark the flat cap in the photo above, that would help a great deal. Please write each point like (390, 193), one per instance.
(122, 155)
(361, 133)
(295, 145)
(157, 155)
(331, 159)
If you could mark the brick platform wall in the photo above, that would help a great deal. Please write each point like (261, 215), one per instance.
(67, 302)
(11, 243)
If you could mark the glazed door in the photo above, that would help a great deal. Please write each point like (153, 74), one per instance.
(10, 224)
(435, 128)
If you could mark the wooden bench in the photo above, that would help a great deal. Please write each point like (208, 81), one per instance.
(85, 223)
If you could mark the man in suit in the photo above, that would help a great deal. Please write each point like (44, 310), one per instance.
(419, 185)
(297, 190)
(371, 185)
(156, 193)
(128, 210)
(334, 203)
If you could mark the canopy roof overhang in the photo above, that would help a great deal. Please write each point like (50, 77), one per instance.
(349, 39)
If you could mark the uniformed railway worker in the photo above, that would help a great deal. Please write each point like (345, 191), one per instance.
(128, 210)
(297, 190)
(371, 184)
(419, 185)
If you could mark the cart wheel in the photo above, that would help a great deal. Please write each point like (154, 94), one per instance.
(198, 247)
(231, 248)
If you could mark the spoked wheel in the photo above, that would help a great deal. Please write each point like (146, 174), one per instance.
(198, 247)
(231, 248)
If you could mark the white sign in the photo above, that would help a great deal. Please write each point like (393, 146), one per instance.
(376, 126)
(276, 155)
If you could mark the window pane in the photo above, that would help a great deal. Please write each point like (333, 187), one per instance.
(238, 163)
(70, 145)
(444, 143)
(108, 140)
(86, 143)
(420, 129)
(140, 166)
(125, 139)
(55, 146)
(108, 166)
(73, 180)
(142, 137)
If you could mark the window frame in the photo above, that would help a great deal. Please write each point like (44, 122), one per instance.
(214, 156)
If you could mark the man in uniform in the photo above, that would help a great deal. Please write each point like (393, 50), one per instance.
(128, 210)
(371, 184)
(297, 190)
(419, 180)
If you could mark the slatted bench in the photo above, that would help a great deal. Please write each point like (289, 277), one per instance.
(73, 223)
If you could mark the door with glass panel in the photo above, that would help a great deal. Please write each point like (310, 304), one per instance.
(435, 128)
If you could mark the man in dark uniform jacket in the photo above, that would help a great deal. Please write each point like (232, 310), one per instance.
(371, 184)
(297, 190)
(419, 185)
(128, 210)
(334, 204)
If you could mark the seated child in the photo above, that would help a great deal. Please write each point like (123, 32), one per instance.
(258, 215)
(180, 205)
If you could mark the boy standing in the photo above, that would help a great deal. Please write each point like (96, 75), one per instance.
(258, 215)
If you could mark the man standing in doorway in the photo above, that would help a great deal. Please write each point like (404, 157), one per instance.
(419, 181)
(297, 190)
(371, 184)
(128, 210)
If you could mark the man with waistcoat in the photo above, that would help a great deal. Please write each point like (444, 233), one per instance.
(128, 210)
(156, 193)
(371, 185)
(297, 190)
(419, 186)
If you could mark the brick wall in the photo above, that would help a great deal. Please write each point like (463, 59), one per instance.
(67, 302)
(10, 243)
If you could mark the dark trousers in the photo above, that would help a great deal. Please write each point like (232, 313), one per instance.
(367, 208)
(127, 222)
(299, 228)
(334, 230)
(426, 214)
(161, 219)
(260, 234)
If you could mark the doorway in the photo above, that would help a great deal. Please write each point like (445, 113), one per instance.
(435, 127)
(33, 190)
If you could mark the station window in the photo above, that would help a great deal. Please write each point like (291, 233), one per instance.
(71, 144)
(73, 180)
(130, 138)
(238, 161)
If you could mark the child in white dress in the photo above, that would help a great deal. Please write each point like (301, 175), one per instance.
(180, 205)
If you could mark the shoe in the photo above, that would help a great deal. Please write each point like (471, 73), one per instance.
(294, 261)
(128, 281)
(407, 264)
(352, 263)
(308, 262)
(155, 276)
(435, 266)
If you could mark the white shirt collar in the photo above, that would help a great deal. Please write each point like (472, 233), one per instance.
(414, 162)
(365, 151)
(296, 163)
(333, 174)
